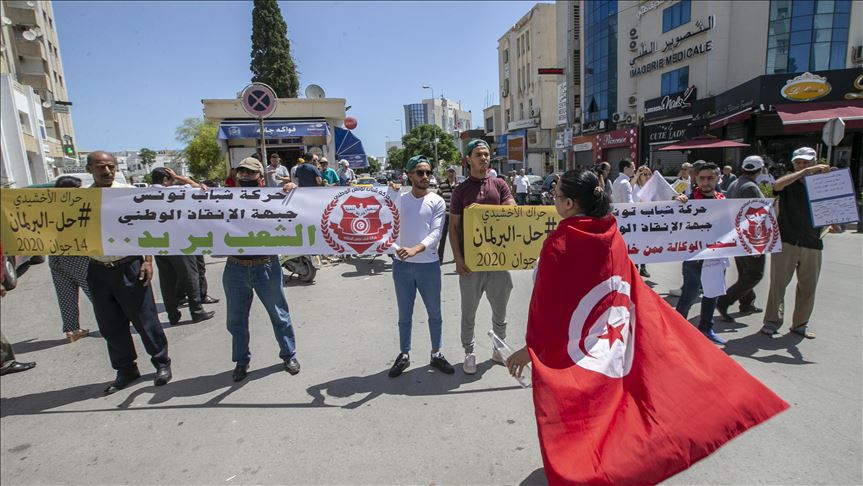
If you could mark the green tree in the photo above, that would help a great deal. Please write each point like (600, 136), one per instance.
(421, 141)
(201, 150)
(374, 165)
(148, 157)
(396, 159)
(271, 51)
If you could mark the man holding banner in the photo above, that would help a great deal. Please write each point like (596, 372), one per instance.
(121, 291)
(416, 266)
(479, 188)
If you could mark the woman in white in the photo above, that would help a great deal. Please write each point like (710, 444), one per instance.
(642, 175)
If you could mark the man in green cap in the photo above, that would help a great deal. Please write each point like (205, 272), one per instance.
(479, 188)
(416, 266)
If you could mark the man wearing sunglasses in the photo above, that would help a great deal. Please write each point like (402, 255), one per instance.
(416, 266)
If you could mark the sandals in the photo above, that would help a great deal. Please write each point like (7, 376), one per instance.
(77, 334)
(803, 332)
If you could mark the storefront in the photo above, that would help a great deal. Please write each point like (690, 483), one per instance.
(612, 147)
(516, 149)
(582, 151)
(658, 135)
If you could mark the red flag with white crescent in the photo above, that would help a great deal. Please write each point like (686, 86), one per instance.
(625, 389)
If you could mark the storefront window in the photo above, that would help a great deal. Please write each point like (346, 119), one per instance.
(818, 35)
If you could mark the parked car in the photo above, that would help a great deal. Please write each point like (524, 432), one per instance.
(535, 194)
(15, 265)
(460, 178)
(365, 182)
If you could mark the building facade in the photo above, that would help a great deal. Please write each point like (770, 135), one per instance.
(445, 113)
(764, 73)
(31, 56)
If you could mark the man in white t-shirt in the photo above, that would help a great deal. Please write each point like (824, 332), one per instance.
(621, 190)
(522, 187)
(416, 266)
(277, 174)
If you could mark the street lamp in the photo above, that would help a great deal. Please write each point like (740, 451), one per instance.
(401, 127)
(433, 119)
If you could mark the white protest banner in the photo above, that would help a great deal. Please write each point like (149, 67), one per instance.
(831, 198)
(656, 189)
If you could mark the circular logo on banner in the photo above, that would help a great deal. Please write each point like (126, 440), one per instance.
(360, 219)
(602, 329)
(756, 228)
(259, 100)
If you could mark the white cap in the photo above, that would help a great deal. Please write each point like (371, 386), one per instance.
(752, 163)
(805, 153)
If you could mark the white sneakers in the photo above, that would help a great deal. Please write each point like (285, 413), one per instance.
(469, 365)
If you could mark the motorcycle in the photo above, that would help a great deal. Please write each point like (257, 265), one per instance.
(303, 266)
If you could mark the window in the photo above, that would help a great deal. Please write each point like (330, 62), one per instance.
(530, 106)
(676, 15)
(506, 55)
(675, 81)
(521, 111)
(600, 60)
(508, 117)
(489, 124)
(807, 35)
(527, 39)
(24, 118)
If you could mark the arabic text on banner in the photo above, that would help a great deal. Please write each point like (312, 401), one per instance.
(239, 221)
(510, 237)
(51, 221)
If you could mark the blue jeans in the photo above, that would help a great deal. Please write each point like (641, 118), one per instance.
(521, 198)
(691, 284)
(266, 281)
(408, 278)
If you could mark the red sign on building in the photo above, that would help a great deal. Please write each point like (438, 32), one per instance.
(627, 137)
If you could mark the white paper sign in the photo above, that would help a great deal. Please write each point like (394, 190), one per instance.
(713, 277)
(831, 198)
(656, 189)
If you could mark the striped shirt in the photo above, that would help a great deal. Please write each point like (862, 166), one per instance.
(444, 190)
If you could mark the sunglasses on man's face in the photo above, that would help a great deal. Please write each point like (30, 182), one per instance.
(423, 173)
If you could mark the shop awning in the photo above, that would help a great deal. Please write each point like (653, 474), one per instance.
(810, 117)
(738, 117)
(274, 129)
(703, 143)
(350, 148)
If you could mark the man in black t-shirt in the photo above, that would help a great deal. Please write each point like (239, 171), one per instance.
(801, 248)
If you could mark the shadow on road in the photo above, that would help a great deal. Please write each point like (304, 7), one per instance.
(32, 345)
(420, 381)
(536, 478)
(748, 346)
(364, 267)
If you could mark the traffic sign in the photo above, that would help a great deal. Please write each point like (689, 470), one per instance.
(259, 100)
(833, 132)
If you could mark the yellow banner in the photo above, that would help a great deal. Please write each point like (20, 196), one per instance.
(506, 237)
(51, 221)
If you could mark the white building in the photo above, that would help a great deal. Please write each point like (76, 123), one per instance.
(445, 113)
(23, 140)
(529, 101)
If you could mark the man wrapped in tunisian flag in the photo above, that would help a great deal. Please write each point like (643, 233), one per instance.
(626, 391)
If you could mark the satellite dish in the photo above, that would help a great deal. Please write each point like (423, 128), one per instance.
(47, 104)
(31, 3)
(6, 20)
(29, 35)
(315, 91)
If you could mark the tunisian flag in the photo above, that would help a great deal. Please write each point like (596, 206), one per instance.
(625, 390)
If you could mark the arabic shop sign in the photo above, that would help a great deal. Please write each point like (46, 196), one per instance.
(806, 87)
(273, 129)
(647, 7)
(671, 46)
(677, 104)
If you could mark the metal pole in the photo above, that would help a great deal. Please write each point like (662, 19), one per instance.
(263, 140)
(829, 154)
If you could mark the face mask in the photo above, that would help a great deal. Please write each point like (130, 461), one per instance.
(247, 183)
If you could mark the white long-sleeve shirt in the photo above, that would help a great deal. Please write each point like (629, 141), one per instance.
(621, 190)
(421, 222)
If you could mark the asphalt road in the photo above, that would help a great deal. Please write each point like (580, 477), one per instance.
(343, 421)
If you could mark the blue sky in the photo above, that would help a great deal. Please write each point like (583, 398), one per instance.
(135, 70)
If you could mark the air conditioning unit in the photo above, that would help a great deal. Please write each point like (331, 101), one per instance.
(617, 117)
(630, 118)
(633, 100)
(858, 54)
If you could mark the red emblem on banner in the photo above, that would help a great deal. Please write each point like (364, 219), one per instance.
(756, 228)
(361, 224)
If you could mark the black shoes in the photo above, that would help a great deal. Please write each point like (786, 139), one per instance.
(401, 363)
(209, 300)
(17, 367)
(240, 372)
(750, 309)
(722, 308)
(440, 363)
(203, 316)
(292, 366)
(163, 376)
(642, 270)
(174, 319)
(124, 379)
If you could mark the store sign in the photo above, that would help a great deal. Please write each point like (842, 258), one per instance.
(627, 137)
(582, 147)
(647, 7)
(670, 46)
(665, 132)
(561, 104)
(515, 149)
(526, 123)
(677, 104)
(806, 87)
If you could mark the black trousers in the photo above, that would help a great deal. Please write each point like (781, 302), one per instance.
(202, 275)
(750, 271)
(118, 299)
(178, 275)
(442, 245)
